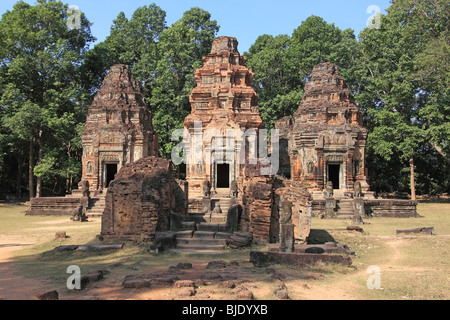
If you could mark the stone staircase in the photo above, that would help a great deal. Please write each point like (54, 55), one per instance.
(96, 205)
(210, 234)
(195, 211)
(345, 209)
(201, 242)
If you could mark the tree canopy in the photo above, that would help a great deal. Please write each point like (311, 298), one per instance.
(399, 74)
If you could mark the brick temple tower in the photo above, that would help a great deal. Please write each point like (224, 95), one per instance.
(326, 139)
(118, 129)
(224, 102)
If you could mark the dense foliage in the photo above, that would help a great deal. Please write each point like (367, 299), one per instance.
(399, 74)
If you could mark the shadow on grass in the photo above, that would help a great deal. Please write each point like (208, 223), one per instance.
(319, 236)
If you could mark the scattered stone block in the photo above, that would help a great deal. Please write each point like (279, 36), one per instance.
(424, 230)
(239, 241)
(234, 263)
(218, 264)
(182, 266)
(100, 247)
(134, 283)
(165, 279)
(65, 248)
(229, 284)
(260, 259)
(281, 291)
(50, 295)
(61, 235)
(186, 292)
(184, 284)
(355, 228)
(212, 276)
(91, 277)
(242, 292)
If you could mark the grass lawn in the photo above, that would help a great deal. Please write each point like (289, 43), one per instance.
(412, 267)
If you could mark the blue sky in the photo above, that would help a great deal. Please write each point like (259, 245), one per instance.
(244, 19)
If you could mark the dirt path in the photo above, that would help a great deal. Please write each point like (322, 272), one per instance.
(12, 286)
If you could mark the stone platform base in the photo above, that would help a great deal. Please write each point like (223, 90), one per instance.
(58, 206)
(392, 208)
(327, 248)
(262, 259)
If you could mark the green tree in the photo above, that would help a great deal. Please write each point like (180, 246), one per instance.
(181, 48)
(40, 60)
(404, 92)
(278, 89)
(283, 64)
(131, 41)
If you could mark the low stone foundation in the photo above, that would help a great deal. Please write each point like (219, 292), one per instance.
(58, 206)
(262, 259)
(392, 208)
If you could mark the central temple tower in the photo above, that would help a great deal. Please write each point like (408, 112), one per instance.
(223, 104)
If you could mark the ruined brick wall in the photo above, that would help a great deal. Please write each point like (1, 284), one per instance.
(261, 196)
(258, 202)
(139, 199)
(300, 198)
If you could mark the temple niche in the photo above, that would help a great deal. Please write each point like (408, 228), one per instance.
(118, 129)
(223, 105)
(326, 139)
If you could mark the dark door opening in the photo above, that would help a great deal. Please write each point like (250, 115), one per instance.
(223, 175)
(111, 170)
(333, 175)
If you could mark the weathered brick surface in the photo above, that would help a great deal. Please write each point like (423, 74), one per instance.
(301, 201)
(222, 100)
(326, 128)
(53, 206)
(118, 127)
(139, 199)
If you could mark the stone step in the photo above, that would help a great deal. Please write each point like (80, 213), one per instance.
(199, 252)
(344, 216)
(212, 227)
(201, 246)
(197, 241)
(198, 217)
(204, 234)
(184, 234)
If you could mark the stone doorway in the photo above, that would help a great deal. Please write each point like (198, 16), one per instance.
(223, 175)
(110, 172)
(334, 171)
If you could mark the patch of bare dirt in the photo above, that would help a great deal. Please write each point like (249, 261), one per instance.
(13, 286)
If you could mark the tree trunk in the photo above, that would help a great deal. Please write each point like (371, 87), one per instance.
(30, 170)
(39, 179)
(19, 178)
(413, 184)
(440, 151)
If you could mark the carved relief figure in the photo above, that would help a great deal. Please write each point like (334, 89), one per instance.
(286, 212)
(233, 189)
(206, 189)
